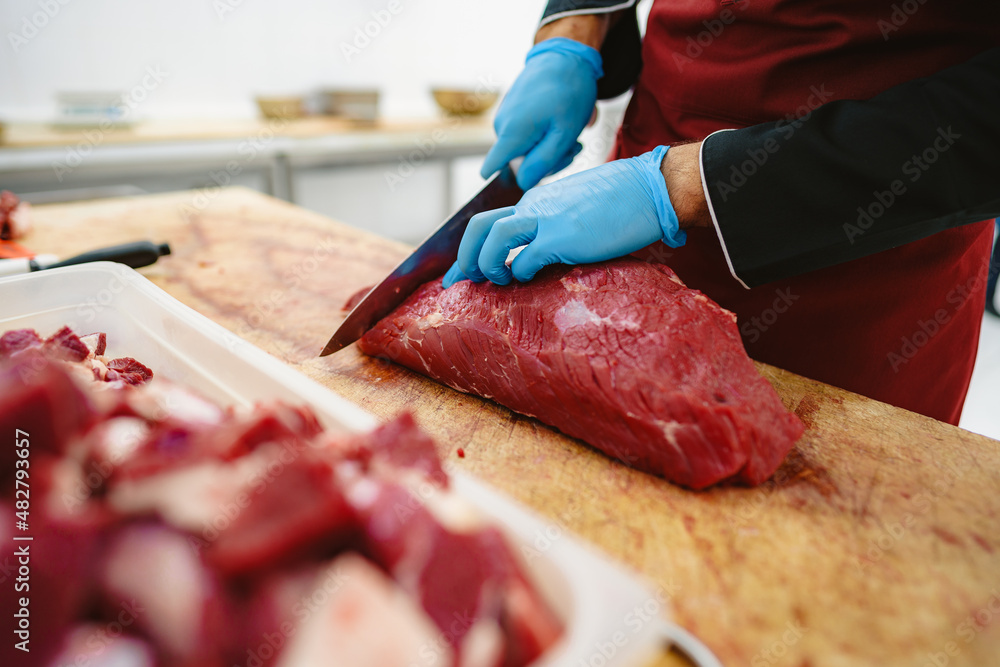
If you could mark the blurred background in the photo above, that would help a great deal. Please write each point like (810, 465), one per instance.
(104, 97)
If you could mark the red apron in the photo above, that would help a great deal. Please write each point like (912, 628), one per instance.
(901, 326)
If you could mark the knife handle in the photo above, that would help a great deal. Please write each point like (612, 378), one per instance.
(136, 255)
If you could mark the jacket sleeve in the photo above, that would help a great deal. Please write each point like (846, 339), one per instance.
(622, 49)
(854, 178)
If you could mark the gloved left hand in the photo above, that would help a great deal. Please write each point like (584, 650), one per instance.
(598, 214)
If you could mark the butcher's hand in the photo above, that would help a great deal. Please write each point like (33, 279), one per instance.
(545, 110)
(602, 213)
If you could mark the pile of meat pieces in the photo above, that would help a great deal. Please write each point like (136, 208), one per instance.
(167, 531)
(15, 216)
(82, 355)
(620, 354)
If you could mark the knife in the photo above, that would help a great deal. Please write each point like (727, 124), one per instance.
(431, 259)
(136, 254)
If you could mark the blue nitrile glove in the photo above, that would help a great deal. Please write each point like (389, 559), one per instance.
(545, 110)
(598, 214)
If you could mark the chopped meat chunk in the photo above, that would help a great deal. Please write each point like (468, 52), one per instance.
(65, 345)
(17, 340)
(15, 216)
(212, 537)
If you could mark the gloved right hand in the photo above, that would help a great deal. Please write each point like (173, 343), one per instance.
(545, 110)
(601, 213)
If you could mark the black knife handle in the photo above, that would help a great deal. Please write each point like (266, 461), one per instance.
(136, 255)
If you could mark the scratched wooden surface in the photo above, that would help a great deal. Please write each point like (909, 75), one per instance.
(877, 542)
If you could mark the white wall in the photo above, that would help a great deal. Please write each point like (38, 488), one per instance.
(217, 54)
(214, 56)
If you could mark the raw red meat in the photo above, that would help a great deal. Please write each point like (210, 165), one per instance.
(171, 442)
(91, 645)
(621, 355)
(84, 352)
(128, 370)
(66, 346)
(15, 216)
(274, 608)
(302, 512)
(62, 560)
(151, 573)
(460, 569)
(366, 621)
(17, 340)
(207, 537)
(97, 343)
(39, 399)
(276, 422)
(398, 446)
(8, 202)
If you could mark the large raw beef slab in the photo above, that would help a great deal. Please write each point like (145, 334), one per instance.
(621, 355)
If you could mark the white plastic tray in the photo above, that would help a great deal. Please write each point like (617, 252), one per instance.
(597, 599)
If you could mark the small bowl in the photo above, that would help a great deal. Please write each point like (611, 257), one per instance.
(90, 109)
(353, 104)
(463, 102)
(281, 108)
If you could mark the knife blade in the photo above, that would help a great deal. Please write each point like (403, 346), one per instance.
(431, 259)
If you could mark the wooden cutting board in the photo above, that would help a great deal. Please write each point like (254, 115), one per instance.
(877, 542)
